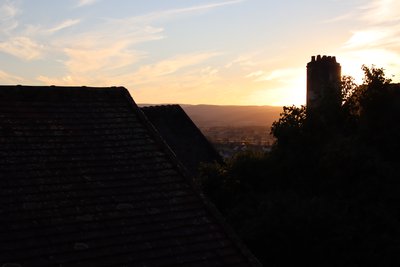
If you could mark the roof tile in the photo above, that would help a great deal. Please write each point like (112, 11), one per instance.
(86, 181)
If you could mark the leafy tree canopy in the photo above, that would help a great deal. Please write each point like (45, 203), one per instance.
(328, 192)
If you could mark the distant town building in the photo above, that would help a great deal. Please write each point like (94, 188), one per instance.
(323, 83)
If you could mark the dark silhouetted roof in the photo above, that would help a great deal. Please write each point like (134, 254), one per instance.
(182, 135)
(85, 181)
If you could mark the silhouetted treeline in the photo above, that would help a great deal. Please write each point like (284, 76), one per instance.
(329, 192)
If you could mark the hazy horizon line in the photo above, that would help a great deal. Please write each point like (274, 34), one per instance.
(222, 105)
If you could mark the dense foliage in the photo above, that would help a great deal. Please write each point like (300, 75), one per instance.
(328, 194)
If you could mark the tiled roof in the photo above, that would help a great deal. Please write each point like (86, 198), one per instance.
(85, 181)
(182, 135)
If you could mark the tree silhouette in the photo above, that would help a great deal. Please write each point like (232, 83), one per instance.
(328, 192)
(289, 128)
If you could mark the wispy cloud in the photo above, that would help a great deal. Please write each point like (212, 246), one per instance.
(13, 40)
(22, 47)
(369, 37)
(376, 40)
(109, 54)
(372, 12)
(170, 66)
(206, 6)
(86, 2)
(27, 43)
(339, 18)
(280, 75)
(65, 24)
(7, 78)
(162, 72)
(148, 18)
(380, 25)
(257, 73)
(108, 50)
(84, 60)
(381, 11)
(8, 11)
(165, 14)
(246, 60)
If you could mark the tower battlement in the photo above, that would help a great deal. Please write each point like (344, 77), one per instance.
(326, 59)
(323, 81)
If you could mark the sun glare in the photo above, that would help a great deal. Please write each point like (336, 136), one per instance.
(352, 69)
(381, 58)
(292, 91)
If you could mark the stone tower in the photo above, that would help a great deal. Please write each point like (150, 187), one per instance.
(323, 83)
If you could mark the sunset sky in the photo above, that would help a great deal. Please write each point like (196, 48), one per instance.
(227, 52)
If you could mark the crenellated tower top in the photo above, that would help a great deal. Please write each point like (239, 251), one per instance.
(323, 82)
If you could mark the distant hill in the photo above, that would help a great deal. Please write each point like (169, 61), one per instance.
(234, 116)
